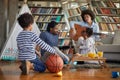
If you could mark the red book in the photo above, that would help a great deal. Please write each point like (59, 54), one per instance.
(105, 11)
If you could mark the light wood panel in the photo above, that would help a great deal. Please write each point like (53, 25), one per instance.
(10, 71)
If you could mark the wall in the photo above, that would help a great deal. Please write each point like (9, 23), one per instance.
(3, 17)
(8, 11)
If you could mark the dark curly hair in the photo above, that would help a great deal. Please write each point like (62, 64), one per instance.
(52, 24)
(25, 20)
(89, 31)
(89, 12)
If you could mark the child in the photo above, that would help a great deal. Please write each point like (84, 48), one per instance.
(26, 46)
(86, 42)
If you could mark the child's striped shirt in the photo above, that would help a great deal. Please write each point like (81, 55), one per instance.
(26, 45)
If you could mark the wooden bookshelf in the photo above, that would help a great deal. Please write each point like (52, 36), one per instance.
(107, 14)
(74, 8)
(43, 15)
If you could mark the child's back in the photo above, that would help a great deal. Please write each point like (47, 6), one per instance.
(26, 46)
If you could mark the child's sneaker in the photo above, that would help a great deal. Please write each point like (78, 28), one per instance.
(25, 67)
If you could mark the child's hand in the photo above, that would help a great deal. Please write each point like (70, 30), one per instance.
(78, 54)
(72, 32)
(56, 54)
(38, 53)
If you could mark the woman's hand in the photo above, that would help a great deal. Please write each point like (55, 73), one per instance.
(72, 32)
(38, 53)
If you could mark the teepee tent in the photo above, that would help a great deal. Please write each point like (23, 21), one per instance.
(10, 50)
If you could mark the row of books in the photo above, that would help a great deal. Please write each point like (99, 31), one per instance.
(43, 26)
(76, 18)
(101, 3)
(109, 27)
(63, 34)
(62, 27)
(75, 11)
(47, 18)
(106, 11)
(46, 10)
(107, 19)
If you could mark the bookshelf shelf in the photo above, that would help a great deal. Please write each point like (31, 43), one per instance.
(73, 9)
(116, 15)
(43, 0)
(107, 7)
(43, 7)
(46, 14)
(48, 22)
(110, 22)
(75, 16)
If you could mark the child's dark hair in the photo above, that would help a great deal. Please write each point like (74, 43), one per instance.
(25, 20)
(52, 24)
(89, 12)
(89, 32)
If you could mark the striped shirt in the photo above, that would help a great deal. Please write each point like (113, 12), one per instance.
(50, 39)
(26, 45)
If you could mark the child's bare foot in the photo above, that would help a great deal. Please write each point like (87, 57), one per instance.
(25, 67)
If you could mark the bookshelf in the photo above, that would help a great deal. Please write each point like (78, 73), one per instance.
(107, 14)
(43, 15)
(73, 9)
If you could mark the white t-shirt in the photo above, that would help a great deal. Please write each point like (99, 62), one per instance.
(86, 46)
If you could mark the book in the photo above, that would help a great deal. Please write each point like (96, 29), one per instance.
(36, 18)
(105, 11)
(98, 19)
(58, 18)
(104, 5)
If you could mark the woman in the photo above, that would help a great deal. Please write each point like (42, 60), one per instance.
(88, 21)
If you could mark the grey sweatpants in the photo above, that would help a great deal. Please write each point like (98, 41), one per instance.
(60, 53)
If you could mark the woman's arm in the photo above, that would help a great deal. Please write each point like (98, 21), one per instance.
(42, 44)
(72, 28)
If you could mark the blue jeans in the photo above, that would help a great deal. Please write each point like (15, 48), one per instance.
(38, 65)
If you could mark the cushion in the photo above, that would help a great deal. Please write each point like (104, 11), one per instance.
(116, 39)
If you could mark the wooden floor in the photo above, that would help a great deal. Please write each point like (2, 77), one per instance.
(10, 71)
